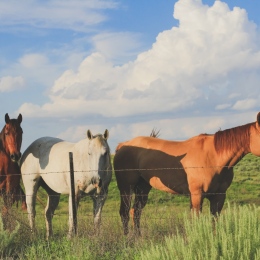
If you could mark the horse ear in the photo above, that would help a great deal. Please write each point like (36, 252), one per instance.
(258, 118)
(20, 118)
(7, 118)
(89, 134)
(106, 134)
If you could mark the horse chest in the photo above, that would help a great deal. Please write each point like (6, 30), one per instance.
(4, 163)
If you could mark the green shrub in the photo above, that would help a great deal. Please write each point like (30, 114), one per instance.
(235, 234)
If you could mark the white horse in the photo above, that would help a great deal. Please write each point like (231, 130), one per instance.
(46, 163)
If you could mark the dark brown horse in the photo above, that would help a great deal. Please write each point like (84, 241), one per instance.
(201, 167)
(10, 174)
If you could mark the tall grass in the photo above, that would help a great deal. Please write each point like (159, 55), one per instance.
(7, 245)
(233, 235)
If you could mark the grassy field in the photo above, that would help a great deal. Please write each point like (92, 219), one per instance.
(164, 216)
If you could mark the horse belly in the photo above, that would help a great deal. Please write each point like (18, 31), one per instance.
(156, 183)
(57, 181)
(164, 172)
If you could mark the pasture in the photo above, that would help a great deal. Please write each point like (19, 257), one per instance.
(166, 223)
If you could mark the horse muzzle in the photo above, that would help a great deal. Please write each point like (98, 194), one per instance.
(96, 181)
(15, 157)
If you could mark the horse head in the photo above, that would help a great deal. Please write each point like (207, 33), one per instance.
(99, 154)
(12, 137)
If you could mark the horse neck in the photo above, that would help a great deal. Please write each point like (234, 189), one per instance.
(81, 146)
(232, 144)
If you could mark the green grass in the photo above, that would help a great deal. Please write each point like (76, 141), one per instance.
(164, 216)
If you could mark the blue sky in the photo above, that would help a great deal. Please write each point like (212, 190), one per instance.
(185, 67)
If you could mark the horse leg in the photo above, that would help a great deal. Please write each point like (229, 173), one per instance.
(5, 211)
(98, 203)
(31, 186)
(141, 196)
(196, 200)
(125, 204)
(52, 203)
(217, 203)
(9, 193)
(217, 200)
(21, 197)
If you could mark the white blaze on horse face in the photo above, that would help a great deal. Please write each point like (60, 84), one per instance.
(13, 140)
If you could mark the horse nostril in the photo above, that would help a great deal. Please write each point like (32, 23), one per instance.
(96, 181)
(13, 157)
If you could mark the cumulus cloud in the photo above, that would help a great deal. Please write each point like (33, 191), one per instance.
(201, 62)
(8, 83)
(118, 47)
(202, 66)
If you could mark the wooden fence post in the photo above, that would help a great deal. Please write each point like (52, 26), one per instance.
(72, 190)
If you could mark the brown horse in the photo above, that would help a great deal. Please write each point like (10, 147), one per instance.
(10, 174)
(201, 167)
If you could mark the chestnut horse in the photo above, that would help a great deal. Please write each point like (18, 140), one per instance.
(201, 167)
(10, 174)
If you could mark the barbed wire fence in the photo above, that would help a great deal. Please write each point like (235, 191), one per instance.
(159, 202)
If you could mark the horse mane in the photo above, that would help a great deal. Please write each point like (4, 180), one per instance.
(101, 140)
(233, 139)
(155, 133)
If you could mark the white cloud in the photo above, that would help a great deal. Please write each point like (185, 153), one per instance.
(203, 61)
(246, 104)
(208, 65)
(70, 14)
(222, 106)
(117, 46)
(33, 60)
(37, 69)
(170, 129)
(8, 83)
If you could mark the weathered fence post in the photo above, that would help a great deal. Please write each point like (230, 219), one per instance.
(72, 190)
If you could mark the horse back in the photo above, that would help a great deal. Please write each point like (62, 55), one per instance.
(37, 154)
